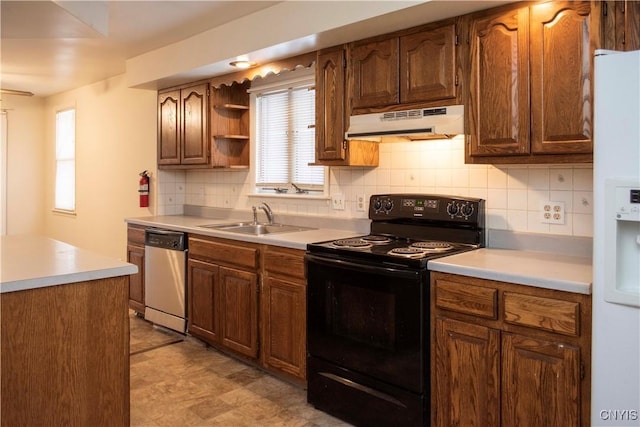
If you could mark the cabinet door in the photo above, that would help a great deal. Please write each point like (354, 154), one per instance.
(373, 74)
(284, 326)
(169, 128)
(194, 102)
(540, 383)
(499, 84)
(204, 301)
(428, 65)
(239, 311)
(563, 38)
(330, 109)
(135, 255)
(467, 385)
(631, 39)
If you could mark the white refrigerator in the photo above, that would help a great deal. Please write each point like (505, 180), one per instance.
(615, 387)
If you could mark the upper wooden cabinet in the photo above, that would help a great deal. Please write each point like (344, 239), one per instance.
(183, 130)
(418, 66)
(531, 83)
(622, 25)
(332, 149)
(230, 126)
(373, 73)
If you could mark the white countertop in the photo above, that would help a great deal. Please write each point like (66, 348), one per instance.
(540, 269)
(30, 261)
(543, 270)
(192, 224)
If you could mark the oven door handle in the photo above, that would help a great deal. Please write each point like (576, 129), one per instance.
(364, 268)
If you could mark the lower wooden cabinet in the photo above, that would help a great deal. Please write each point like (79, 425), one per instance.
(223, 294)
(135, 255)
(284, 313)
(251, 300)
(508, 355)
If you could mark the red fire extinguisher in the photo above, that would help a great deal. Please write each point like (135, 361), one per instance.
(144, 189)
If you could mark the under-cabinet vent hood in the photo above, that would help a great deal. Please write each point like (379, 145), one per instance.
(416, 124)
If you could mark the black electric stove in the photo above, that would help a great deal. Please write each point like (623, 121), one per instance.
(368, 308)
(410, 229)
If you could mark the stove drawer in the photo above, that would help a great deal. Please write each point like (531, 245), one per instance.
(467, 299)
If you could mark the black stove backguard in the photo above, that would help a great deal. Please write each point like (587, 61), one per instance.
(368, 311)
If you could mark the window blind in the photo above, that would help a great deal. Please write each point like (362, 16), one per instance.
(286, 139)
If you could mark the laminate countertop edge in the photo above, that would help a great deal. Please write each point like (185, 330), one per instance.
(542, 270)
(34, 261)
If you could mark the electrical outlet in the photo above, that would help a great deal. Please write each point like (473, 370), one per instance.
(552, 213)
(337, 202)
(361, 202)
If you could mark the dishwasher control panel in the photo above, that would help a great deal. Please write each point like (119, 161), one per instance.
(166, 239)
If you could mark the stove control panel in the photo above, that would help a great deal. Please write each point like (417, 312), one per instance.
(427, 207)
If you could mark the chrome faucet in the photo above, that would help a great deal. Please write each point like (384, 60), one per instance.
(268, 212)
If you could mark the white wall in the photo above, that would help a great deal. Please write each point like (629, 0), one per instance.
(25, 164)
(115, 141)
(513, 193)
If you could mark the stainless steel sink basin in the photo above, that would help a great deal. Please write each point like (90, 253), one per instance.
(256, 229)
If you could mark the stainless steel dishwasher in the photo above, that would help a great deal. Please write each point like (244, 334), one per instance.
(165, 265)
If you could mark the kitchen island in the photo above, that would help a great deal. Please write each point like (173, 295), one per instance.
(64, 344)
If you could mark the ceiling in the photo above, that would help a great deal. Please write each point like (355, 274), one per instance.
(49, 47)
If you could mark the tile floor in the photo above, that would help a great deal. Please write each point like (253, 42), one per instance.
(178, 381)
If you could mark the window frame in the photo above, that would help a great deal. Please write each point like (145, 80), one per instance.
(273, 83)
(57, 160)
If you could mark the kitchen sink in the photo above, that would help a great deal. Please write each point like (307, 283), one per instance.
(256, 229)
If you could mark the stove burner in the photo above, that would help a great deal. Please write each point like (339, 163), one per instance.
(376, 239)
(433, 246)
(352, 244)
(408, 252)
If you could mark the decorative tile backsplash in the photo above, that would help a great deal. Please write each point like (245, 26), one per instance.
(514, 194)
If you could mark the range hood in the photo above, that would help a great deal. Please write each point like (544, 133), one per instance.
(415, 124)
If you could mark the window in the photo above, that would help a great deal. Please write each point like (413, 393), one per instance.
(285, 136)
(65, 191)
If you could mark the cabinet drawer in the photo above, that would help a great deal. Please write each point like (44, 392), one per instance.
(287, 262)
(542, 313)
(468, 299)
(135, 235)
(223, 253)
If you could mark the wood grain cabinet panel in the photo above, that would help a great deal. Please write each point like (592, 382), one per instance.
(467, 391)
(541, 383)
(499, 84)
(527, 366)
(428, 65)
(135, 255)
(204, 300)
(467, 299)
(330, 105)
(283, 310)
(621, 25)
(563, 38)
(183, 126)
(544, 313)
(284, 326)
(223, 294)
(374, 73)
(332, 149)
(239, 311)
(531, 83)
(65, 355)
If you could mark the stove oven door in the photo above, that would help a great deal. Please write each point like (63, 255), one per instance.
(371, 320)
